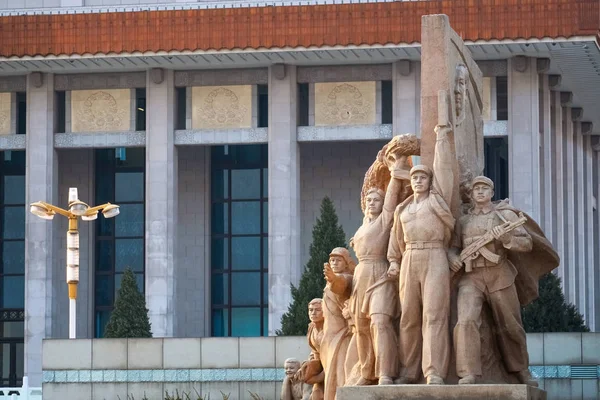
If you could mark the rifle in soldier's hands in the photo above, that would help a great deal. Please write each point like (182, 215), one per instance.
(471, 252)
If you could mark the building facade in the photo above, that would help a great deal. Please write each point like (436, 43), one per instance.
(219, 131)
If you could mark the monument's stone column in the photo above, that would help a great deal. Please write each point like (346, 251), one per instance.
(161, 200)
(524, 135)
(406, 84)
(284, 188)
(41, 184)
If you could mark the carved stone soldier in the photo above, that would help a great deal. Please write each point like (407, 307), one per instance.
(489, 277)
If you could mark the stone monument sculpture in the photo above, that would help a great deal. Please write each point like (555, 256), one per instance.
(439, 264)
(417, 252)
(374, 299)
(311, 371)
(485, 234)
(336, 330)
(293, 387)
(489, 237)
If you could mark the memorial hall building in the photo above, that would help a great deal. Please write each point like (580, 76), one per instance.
(218, 128)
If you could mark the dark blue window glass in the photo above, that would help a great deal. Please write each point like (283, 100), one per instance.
(245, 289)
(129, 186)
(246, 322)
(239, 280)
(245, 217)
(220, 322)
(220, 289)
(14, 189)
(220, 253)
(246, 252)
(12, 260)
(13, 257)
(245, 184)
(13, 290)
(130, 222)
(13, 221)
(120, 179)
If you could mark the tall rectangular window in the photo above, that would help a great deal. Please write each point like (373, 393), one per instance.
(387, 102)
(140, 109)
(239, 240)
(12, 267)
(502, 98)
(496, 164)
(181, 107)
(61, 111)
(263, 105)
(303, 104)
(120, 179)
(21, 113)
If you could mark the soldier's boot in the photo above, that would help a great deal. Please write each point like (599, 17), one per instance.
(434, 379)
(467, 380)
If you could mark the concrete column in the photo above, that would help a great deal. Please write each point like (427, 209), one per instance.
(590, 241)
(406, 97)
(581, 272)
(569, 260)
(523, 135)
(161, 200)
(547, 159)
(41, 184)
(284, 188)
(558, 198)
(595, 144)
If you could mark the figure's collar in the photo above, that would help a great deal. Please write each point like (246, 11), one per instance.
(476, 210)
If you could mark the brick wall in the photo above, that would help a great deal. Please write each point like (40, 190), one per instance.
(335, 170)
(191, 284)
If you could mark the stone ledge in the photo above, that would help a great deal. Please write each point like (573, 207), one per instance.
(454, 392)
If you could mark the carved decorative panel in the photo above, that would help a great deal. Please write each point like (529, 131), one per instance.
(5, 111)
(100, 110)
(347, 103)
(220, 107)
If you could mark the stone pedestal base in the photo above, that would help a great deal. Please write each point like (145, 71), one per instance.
(443, 392)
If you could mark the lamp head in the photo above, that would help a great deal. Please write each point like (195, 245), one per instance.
(89, 217)
(78, 208)
(111, 210)
(41, 210)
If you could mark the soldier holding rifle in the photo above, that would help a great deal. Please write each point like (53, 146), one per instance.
(487, 234)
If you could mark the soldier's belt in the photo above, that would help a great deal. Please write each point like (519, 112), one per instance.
(424, 245)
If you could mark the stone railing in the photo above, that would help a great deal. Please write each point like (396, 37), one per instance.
(567, 366)
(21, 393)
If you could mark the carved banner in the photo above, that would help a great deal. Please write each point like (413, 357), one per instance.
(447, 64)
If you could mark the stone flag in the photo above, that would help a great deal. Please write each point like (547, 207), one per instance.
(447, 64)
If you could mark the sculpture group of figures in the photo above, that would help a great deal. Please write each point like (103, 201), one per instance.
(435, 297)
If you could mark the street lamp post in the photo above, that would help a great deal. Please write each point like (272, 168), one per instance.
(77, 208)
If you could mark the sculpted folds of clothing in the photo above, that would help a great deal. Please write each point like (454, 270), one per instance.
(373, 293)
(486, 275)
(492, 283)
(336, 334)
(419, 239)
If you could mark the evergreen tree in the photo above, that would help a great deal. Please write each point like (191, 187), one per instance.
(129, 319)
(551, 312)
(327, 234)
